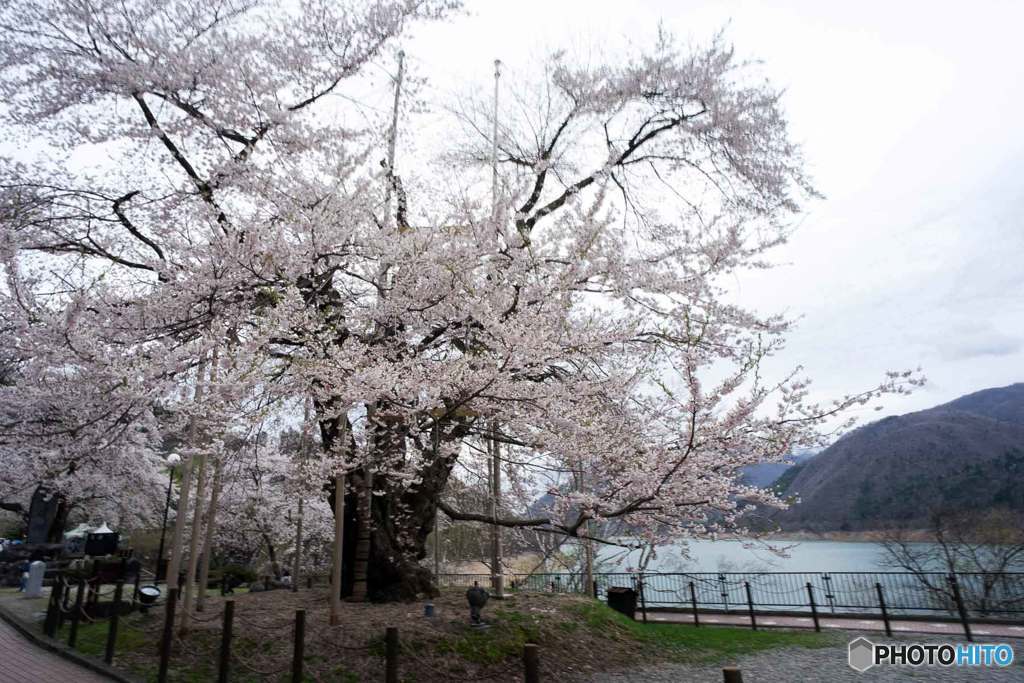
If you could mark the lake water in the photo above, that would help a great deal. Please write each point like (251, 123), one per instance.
(744, 556)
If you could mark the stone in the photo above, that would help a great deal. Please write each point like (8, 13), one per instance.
(34, 586)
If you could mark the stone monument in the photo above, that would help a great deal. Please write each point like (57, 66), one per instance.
(34, 586)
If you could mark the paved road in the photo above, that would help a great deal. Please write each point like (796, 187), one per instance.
(22, 662)
(981, 631)
(793, 665)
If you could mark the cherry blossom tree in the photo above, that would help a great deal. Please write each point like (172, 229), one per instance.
(259, 508)
(78, 438)
(577, 316)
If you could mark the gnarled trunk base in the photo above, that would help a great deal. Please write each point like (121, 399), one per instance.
(397, 545)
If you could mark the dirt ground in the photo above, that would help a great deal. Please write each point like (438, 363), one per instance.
(444, 647)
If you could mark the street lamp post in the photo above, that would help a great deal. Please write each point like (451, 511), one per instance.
(172, 460)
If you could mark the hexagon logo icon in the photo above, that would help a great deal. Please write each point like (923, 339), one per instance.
(862, 654)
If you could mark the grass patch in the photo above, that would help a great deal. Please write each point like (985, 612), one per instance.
(136, 649)
(686, 643)
(508, 631)
(92, 637)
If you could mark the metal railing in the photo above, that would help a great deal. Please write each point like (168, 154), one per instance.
(989, 596)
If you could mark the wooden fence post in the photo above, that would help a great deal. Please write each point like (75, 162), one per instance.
(167, 636)
(135, 589)
(65, 608)
(53, 608)
(531, 663)
(391, 655)
(732, 674)
(750, 605)
(693, 601)
(814, 607)
(960, 607)
(224, 664)
(885, 613)
(76, 614)
(298, 652)
(115, 615)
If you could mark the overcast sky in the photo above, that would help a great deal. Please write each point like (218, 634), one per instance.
(910, 115)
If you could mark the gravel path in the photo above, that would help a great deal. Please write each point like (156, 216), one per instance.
(795, 665)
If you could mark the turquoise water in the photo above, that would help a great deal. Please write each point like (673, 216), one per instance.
(746, 556)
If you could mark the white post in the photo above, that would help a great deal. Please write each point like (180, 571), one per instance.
(393, 136)
(435, 442)
(588, 545)
(174, 563)
(497, 579)
(307, 439)
(197, 520)
(211, 529)
(193, 548)
(494, 147)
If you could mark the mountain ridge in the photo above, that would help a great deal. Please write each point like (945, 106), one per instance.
(967, 452)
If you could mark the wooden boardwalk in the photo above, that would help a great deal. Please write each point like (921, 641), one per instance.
(22, 661)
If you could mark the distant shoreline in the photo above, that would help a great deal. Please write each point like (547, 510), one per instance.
(871, 536)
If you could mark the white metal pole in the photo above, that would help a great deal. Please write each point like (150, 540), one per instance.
(497, 581)
(393, 136)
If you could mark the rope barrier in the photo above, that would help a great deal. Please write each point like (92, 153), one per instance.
(248, 667)
(262, 627)
(318, 637)
(457, 676)
(213, 616)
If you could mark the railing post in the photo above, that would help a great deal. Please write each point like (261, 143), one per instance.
(597, 595)
(114, 617)
(732, 674)
(814, 607)
(391, 655)
(167, 635)
(643, 600)
(76, 614)
(531, 663)
(750, 605)
(960, 607)
(724, 592)
(224, 664)
(885, 613)
(693, 601)
(53, 608)
(300, 645)
(828, 592)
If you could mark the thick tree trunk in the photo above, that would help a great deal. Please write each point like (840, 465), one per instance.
(275, 566)
(401, 520)
(47, 516)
